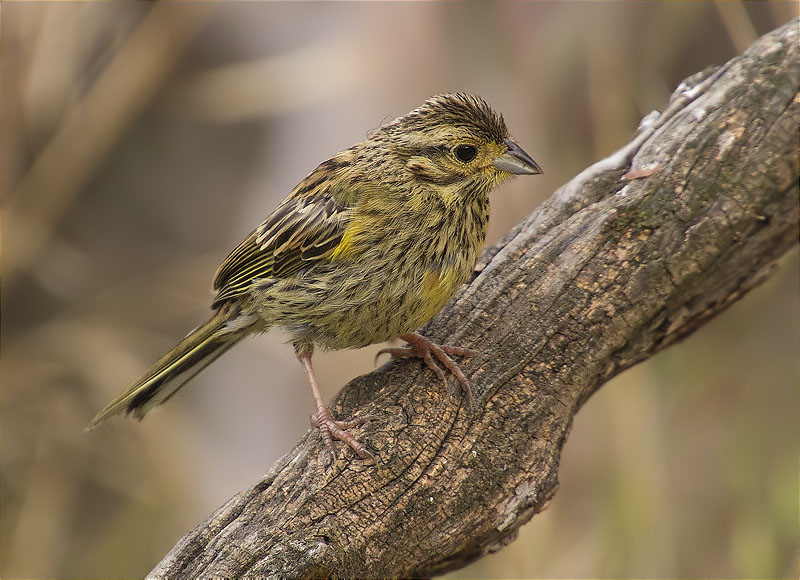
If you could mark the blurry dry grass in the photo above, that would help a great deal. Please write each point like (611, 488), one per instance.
(141, 142)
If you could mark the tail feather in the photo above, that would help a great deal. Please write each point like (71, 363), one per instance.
(199, 349)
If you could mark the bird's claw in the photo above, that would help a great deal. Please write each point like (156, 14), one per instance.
(331, 429)
(426, 349)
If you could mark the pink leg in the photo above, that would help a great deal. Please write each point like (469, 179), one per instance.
(426, 349)
(329, 428)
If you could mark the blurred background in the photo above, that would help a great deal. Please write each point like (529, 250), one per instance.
(142, 141)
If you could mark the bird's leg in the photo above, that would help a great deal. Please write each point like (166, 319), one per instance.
(426, 349)
(328, 427)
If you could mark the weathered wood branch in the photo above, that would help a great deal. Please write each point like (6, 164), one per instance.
(630, 256)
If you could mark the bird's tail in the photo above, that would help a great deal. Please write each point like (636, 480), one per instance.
(199, 349)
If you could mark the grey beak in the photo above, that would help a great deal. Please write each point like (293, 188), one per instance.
(516, 161)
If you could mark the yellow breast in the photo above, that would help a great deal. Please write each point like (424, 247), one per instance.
(437, 287)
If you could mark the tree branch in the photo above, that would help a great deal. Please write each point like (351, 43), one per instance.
(630, 256)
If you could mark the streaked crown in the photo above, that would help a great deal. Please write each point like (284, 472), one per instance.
(456, 110)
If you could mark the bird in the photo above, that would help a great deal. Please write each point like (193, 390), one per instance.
(367, 248)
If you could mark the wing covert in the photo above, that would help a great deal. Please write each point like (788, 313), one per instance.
(302, 229)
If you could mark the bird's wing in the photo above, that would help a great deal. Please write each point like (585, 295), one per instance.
(307, 226)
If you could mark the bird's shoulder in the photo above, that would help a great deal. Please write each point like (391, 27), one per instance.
(306, 226)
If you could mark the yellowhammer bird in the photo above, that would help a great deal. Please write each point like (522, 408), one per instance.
(368, 247)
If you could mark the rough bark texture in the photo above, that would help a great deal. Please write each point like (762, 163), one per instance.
(610, 270)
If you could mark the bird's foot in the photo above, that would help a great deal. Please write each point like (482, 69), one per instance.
(426, 349)
(331, 429)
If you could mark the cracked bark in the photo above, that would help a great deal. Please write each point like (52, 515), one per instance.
(630, 256)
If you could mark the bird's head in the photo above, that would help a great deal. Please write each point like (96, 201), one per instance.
(456, 145)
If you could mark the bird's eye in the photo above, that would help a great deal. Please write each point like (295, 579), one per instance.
(465, 153)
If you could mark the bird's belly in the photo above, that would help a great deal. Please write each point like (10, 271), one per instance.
(356, 308)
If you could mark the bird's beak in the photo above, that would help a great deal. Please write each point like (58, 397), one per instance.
(516, 161)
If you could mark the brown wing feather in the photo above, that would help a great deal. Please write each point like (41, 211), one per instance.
(306, 226)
